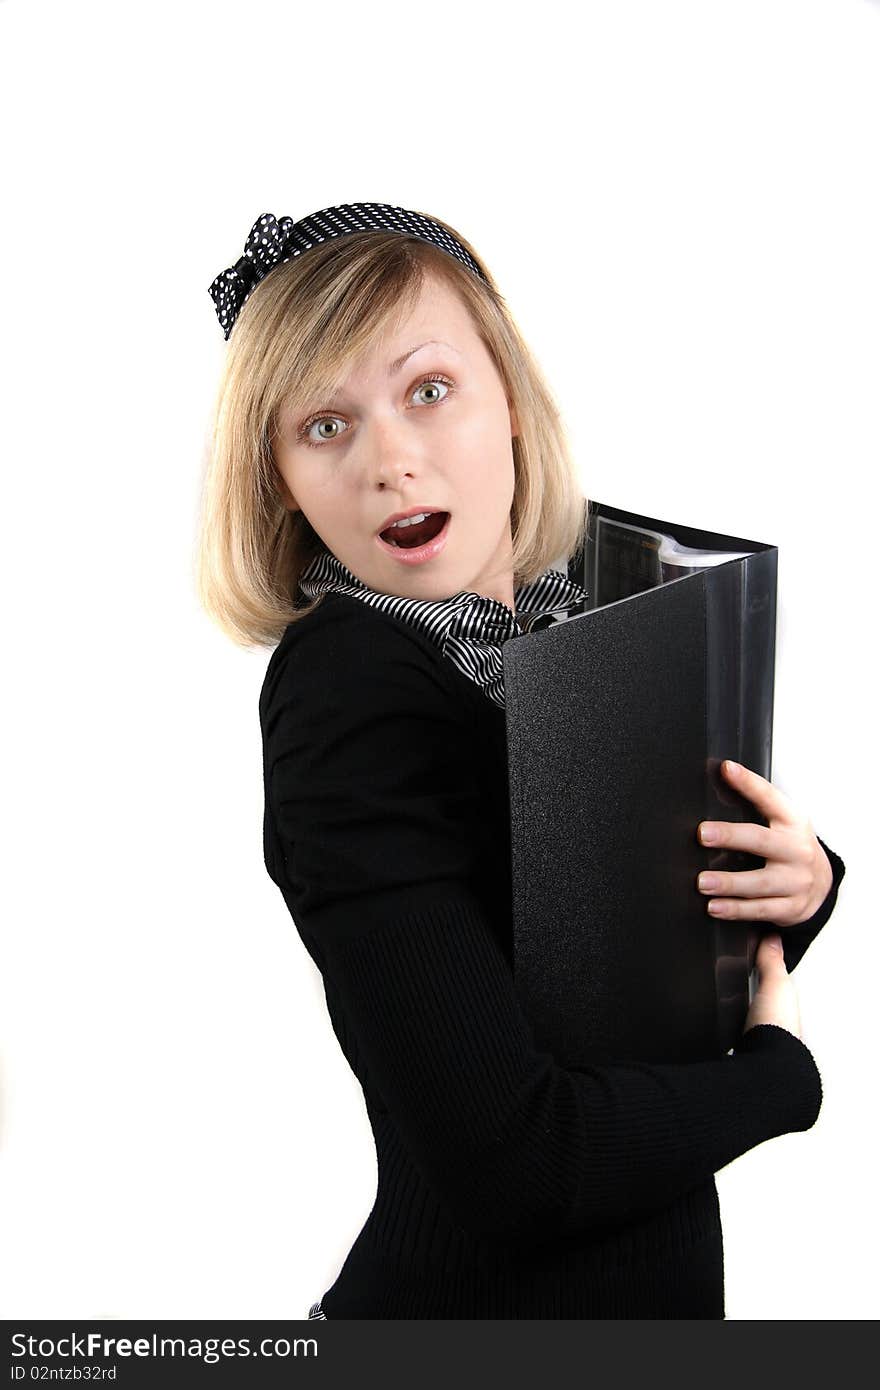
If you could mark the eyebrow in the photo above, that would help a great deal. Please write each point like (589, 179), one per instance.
(398, 362)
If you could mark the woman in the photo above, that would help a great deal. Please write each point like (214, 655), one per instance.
(375, 373)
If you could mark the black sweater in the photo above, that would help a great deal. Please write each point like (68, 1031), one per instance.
(508, 1186)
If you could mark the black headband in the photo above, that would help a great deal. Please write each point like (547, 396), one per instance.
(272, 241)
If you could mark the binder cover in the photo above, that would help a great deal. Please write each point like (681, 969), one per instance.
(618, 717)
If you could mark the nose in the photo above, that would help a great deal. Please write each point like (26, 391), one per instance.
(392, 455)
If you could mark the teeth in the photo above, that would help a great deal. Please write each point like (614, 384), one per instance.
(412, 520)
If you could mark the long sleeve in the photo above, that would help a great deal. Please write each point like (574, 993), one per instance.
(369, 785)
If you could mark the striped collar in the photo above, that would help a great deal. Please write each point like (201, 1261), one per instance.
(469, 628)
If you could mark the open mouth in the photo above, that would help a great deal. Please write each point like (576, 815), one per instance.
(408, 537)
(417, 542)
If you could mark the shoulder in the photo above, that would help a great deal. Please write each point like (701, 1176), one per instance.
(347, 655)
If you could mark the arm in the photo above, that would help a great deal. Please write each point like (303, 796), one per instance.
(369, 787)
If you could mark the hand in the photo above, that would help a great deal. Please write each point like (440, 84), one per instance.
(797, 876)
(775, 998)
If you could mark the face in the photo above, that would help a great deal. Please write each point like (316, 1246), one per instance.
(429, 429)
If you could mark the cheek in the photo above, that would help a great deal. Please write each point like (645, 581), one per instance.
(324, 508)
(500, 468)
(481, 443)
(321, 492)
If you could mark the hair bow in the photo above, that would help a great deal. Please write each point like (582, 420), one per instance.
(268, 243)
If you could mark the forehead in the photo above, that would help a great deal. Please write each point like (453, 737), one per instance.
(435, 314)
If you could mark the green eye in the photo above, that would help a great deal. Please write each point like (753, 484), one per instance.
(435, 381)
(429, 379)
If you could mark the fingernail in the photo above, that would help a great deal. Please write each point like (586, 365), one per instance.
(732, 767)
(716, 909)
(708, 835)
(708, 882)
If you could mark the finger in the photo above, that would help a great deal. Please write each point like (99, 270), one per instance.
(775, 910)
(770, 948)
(770, 955)
(770, 801)
(770, 842)
(770, 882)
(772, 939)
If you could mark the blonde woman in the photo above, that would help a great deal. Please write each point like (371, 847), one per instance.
(375, 375)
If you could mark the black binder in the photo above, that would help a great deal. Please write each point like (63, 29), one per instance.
(618, 717)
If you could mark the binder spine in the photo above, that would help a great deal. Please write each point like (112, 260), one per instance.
(740, 649)
(758, 667)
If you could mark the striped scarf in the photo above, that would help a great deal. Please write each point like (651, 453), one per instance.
(469, 629)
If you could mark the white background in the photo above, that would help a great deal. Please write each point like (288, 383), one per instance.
(680, 204)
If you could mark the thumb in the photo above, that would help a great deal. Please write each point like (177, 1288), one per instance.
(770, 953)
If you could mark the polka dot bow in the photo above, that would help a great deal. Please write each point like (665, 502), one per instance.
(267, 245)
(272, 240)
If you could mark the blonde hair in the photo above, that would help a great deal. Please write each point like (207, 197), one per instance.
(293, 336)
